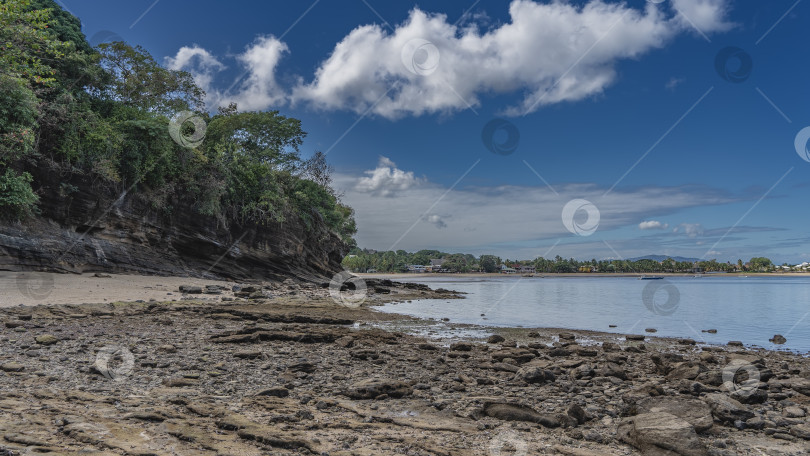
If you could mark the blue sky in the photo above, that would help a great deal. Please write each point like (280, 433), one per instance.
(618, 104)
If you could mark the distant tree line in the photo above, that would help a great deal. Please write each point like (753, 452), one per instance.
(362, 260)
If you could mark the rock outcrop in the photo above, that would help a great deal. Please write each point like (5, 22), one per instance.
(85, 227)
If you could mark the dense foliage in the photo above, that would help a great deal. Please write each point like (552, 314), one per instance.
(107, 113)
(398, 261)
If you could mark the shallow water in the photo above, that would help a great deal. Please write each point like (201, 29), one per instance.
(748, 309)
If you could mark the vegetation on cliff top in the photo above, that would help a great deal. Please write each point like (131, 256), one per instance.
(106, 112)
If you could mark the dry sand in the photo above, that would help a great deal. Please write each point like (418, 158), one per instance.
(36, 288)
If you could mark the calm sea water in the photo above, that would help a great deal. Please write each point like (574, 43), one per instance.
(748, 309)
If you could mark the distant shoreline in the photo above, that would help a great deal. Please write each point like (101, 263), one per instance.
(481, 275)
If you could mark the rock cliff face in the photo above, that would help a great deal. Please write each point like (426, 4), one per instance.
(86, 227)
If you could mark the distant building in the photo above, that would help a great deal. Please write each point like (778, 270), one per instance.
(507, 270)
(417, 268)
(526, 269)
(435, 265)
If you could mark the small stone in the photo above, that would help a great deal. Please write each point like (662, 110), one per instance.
(735, 343)
(12, 367)
(274, 392)
(635, 337)
(461, 346)
(190, 289)
(495, 338)
(46, 339)
(651, 330)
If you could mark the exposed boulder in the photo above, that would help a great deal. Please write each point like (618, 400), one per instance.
(661, 434)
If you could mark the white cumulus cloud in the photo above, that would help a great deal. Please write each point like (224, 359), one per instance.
(256, 90)
(652, 225)
(387, 180)
(548, 52)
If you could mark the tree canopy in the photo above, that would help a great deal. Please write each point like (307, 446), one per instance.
(113, 114)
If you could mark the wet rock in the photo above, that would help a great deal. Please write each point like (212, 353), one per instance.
(651, 330)
(495, 338)
(778, 339)
(661, 434)
(635, 337)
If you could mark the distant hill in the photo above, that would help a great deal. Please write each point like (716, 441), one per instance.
(663, 257)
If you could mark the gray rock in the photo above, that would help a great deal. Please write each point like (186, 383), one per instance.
(515, 412)
(374, 388)
(274, 392)
(661, 434)
(532, 374)
(495, 338)
(693, 411)
(801, 431)
(778, 339)
(726, 409)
